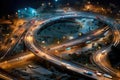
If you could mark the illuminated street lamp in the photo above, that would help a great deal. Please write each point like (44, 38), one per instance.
(56, 3)
(25, 9)
(80, 34)
(16, 13)
(43, 4)
(58, 42)
(43, 42)
(49, 3)
(71, 37)
(88, 7)
(64, 37)
(8, 16)
(19, 11)
(56, 51)
(56, 0)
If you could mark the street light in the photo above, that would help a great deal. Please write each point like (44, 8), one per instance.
(56, 0)
(43, 42)
(56, 4)
(43, 4)
(19, 11)
(25, 9)
(71, 37)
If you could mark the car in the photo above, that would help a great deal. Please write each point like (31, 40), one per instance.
(107, 75)
(68, 48)
(30, 66)
(98, 74)
(88, 42)
(36, 52)
(88, 73)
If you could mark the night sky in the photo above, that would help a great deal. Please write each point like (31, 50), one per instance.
(10, 6)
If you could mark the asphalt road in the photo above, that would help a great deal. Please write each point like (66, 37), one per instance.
(29, 40)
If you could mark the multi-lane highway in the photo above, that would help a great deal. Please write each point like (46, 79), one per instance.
(88, 37)
(29, 35)
(16, 38)
(30, 43)
(100, 59)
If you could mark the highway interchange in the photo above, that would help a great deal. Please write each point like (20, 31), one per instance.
(98, 57)
(29, 39)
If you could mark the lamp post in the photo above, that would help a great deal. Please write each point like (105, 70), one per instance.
(56, 0)
(56, 5)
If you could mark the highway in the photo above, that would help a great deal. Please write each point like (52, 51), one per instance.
(17, 61)
(16, 38)
(29, 40)
(100, 57)
(89, 36)
(30, 30)
(7, 76)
